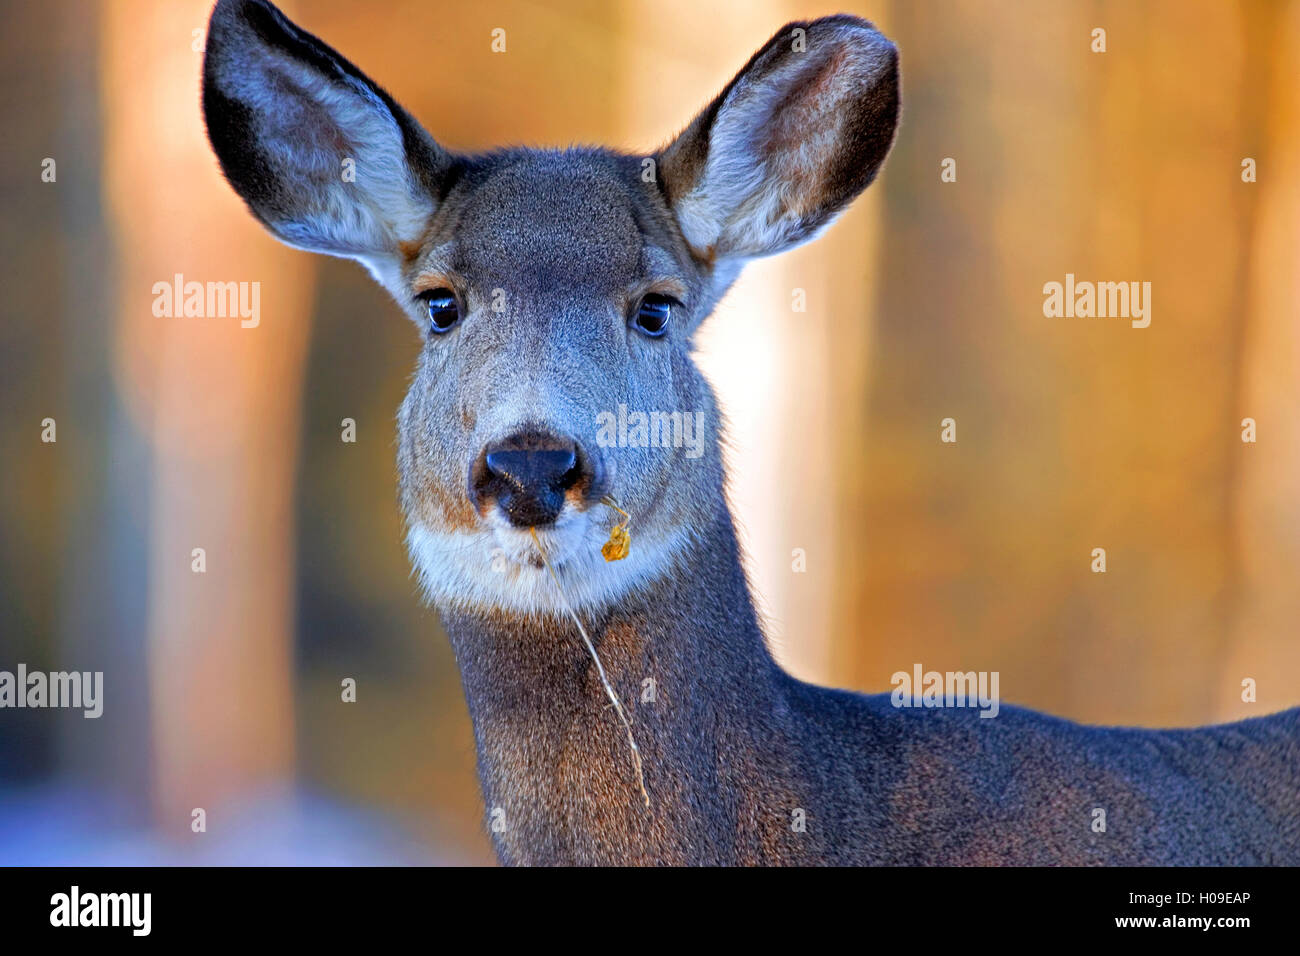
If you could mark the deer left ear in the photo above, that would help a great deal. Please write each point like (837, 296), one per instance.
(799, 132)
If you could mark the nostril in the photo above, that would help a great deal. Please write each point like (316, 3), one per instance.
(571, 475)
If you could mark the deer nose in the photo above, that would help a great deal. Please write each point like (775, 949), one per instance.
(528, 475)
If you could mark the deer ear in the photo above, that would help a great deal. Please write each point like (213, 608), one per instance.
(323, 156)
(799, 132)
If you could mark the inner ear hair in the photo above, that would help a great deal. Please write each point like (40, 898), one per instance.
(800, 131)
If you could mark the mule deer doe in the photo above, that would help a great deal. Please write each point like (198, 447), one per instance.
(554, 286)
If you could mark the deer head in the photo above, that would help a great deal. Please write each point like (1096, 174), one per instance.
(549, 288)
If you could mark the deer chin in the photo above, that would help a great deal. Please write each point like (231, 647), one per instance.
(497, 567)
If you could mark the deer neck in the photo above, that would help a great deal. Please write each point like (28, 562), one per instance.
(688, 661)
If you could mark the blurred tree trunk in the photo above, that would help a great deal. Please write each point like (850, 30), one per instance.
(102, 591)
(219, 405)
(1263, 644)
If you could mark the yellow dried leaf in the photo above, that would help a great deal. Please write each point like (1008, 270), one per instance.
(620, 539)
(618, 545)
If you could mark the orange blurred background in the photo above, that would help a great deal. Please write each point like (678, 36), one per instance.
(925, 302)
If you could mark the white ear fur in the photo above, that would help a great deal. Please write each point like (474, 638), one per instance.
(799, 132)
(379, 204)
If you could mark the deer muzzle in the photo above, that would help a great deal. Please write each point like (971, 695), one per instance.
(529, 475)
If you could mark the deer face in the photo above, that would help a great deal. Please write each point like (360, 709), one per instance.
(552, 289)
(556, 293)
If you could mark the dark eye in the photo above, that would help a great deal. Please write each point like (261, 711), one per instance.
(444, 309)
(653, 313)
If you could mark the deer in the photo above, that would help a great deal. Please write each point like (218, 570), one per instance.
(549, 287)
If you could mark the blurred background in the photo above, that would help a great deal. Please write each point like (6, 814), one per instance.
(924, 302)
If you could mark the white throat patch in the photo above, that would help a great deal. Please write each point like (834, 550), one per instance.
(492, 567)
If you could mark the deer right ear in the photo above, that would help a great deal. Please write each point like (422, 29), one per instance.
(799, 132)
(322, 156)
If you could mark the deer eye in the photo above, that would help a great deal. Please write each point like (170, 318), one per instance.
(652, 314)
(443, 308)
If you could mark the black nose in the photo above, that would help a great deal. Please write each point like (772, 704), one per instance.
(528, 475)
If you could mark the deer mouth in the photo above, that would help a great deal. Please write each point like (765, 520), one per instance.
(563, 539)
